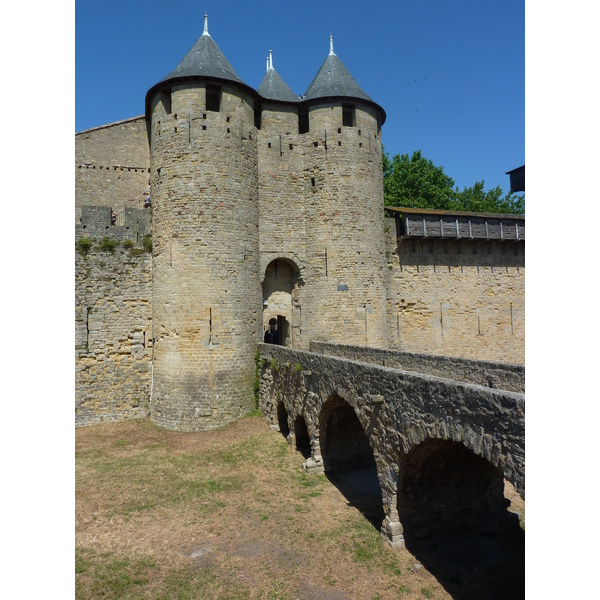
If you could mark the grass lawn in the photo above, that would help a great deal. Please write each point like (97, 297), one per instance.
(224, 514)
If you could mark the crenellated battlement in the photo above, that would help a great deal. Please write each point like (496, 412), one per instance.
(131, 224)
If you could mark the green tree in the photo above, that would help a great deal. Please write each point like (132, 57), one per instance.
(416, 182)
(475, 199)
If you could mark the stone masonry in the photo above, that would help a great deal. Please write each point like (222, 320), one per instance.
(112, 165)
(113, 323)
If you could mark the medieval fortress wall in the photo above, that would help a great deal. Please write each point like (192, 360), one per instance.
(113, 335)
(112, 165)
(321, 208)
(463, 298)
(254, 221)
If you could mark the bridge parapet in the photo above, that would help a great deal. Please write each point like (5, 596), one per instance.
(398, 410)
(503, 376)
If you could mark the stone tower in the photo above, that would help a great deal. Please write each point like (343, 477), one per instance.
(206, 294)
(344, 209)
(321, 207)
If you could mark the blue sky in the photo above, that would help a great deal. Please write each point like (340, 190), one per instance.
(450, 75)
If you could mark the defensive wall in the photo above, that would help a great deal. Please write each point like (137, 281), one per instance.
(113, 318)
(441, 447)
(456, 295)
(112, 165)
(320, 211)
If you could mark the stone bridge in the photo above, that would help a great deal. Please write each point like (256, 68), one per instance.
(432, 447)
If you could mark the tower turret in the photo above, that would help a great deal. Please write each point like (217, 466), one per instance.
(345, 287)
(206, 289)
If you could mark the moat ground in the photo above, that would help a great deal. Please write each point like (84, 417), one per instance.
(229, 514)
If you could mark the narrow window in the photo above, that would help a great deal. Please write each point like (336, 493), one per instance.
(213, 98)
(303, 120)
(347, 115)
(165, 98)
(257, 117)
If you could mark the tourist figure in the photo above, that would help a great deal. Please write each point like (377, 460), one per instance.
(113, 217)
(147, 203)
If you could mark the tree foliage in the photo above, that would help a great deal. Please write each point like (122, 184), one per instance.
(415, 182)
(475, 199)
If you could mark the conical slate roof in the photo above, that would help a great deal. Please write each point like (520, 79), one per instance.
(273, 87)
(333, 79)
(205, 59)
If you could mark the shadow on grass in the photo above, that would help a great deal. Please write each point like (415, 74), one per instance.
(477, 565)
(361, 488)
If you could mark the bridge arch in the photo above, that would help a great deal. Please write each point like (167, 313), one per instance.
(302, 436)
(344, 443)
(348, 458)
(486, 443)
(283, 419)
(444, 488)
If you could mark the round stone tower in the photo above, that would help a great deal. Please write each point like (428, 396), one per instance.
(345, 288)
(206, 293)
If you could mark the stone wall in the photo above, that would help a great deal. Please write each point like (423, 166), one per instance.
(495, 375)
(133, 224)
(457, 298)
(113, 335)
(112, 165)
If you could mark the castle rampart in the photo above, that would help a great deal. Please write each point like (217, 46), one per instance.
(112, 165)
(455, 297)
(113, 333)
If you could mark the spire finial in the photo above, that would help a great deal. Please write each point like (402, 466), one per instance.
(267, 64)
(270, 59)
(331, 45)
(206, 25)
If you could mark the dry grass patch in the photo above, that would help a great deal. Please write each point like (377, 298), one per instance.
(223, 514)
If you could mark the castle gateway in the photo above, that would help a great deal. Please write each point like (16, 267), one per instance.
(266, 224)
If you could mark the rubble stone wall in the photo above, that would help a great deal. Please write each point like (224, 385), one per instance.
(504, 376)
(113, 335)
